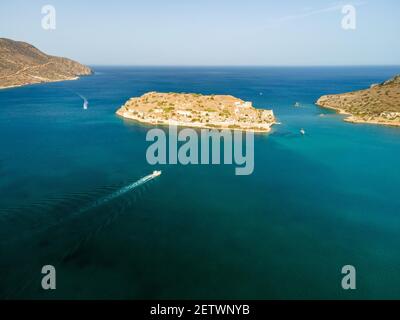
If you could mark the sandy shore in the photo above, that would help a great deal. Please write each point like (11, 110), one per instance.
(354, 119)
(199, 125)
(38, 82)
(223, 112)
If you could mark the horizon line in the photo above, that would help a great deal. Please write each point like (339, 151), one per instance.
(241, 66)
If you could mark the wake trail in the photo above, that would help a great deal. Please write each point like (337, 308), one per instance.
(85, 101)
(116, 194)
(91, 206)
(77, 243)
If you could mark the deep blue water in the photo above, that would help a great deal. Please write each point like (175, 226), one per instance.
(313, 204)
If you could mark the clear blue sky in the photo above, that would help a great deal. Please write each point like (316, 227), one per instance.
(209, 32)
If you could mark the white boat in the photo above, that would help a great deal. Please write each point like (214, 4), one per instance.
(303, 132)
(156, 173)
(297, 104)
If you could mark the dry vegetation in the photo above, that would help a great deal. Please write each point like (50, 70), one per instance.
(379, 104)
(22, 63)
(196, 110)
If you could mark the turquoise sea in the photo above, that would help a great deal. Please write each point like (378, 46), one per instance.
(313, 204)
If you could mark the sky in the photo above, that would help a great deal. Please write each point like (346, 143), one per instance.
(209, 32)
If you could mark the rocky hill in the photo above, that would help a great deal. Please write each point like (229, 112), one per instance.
(22, 64)
(380, 104)
(196, 110)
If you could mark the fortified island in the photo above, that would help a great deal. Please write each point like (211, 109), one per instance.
(196, 110)
(380, 104)
(23, 64)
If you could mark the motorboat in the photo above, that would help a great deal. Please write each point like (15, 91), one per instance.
(156, 173)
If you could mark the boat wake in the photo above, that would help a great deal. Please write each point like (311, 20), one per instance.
(56, 229)
(119, 192)
(85, 102)
(59, 210)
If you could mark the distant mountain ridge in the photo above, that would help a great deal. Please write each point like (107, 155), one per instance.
(22, 64)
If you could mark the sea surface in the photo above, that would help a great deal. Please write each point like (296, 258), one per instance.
(314, 203)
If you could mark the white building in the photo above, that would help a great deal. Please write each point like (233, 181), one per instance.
(184, 113)
(246, 104)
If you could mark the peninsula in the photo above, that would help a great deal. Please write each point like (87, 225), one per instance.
(23, 64)
(380, 104)
(196, 110)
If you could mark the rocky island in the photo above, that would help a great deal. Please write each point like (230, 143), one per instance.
(196, 110)
(380, 104)
(23, 64)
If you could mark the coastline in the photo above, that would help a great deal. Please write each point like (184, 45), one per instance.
(198, 125)
(197, 111)
(40, 82)
(351, 118)
(378, 104)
